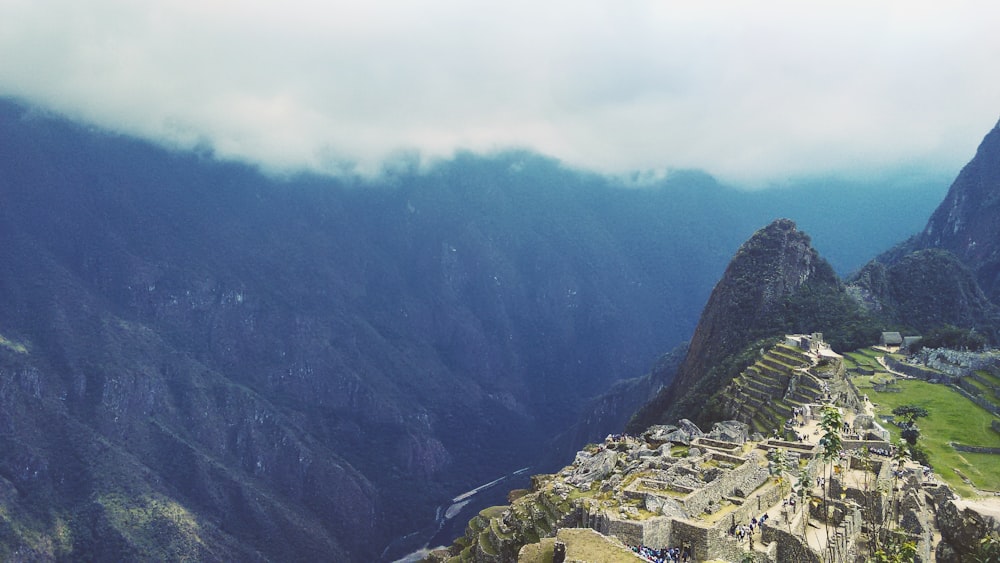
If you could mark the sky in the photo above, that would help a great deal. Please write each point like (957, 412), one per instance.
(755, 92)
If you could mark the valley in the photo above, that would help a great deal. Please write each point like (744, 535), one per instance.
(261, 368)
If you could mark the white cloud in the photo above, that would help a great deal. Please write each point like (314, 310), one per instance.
(750, 91)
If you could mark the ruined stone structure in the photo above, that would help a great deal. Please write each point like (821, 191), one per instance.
(676, 486)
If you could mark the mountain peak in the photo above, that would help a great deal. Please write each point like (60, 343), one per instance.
(745, 306)
(967, 222)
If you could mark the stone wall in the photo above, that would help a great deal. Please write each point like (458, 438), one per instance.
(745, 478)
(629, 532)
(986, 383)
(981, 401)
(961, 529)
(917, 371)
(790, 546)
(727, 447)
(969, 386)
(850, 445)
(756, 505)
(692, 535)
(957, 363)
(975, 449)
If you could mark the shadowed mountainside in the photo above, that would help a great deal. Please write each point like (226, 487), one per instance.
(199, 361)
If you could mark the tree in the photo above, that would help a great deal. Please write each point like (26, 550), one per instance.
(802, 487)
(895, 551)
(910, 433)
(908, 423)
(910, 413)
(831, 423)
(777, 463)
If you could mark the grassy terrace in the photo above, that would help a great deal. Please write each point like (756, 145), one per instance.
(986, 391)
(953, 418)
(860, 359)
(994, 380)
(581, 545)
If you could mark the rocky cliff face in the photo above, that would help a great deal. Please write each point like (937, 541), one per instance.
(967, 222)
(948, 273)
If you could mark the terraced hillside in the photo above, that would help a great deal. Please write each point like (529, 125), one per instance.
(765, 394)
(984, 388)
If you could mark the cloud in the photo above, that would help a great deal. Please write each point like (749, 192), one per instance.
(753, 92)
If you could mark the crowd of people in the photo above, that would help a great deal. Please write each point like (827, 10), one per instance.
(884, 452)
(663, 554)
(745, 531)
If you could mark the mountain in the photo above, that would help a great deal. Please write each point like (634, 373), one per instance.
(947, 274)
(924, 290)
(776, 283)
(967, 223)
(199, 360)
(205, 362)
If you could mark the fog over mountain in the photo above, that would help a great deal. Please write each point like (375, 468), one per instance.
(279, 281)
(758, 93)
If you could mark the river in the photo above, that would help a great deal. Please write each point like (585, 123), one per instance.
(452, 516)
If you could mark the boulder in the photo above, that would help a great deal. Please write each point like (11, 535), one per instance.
(961, 530)
(664, 505)
(590, 468)
(730, 431)
(680, 437)
(664, 433)
(691, 428)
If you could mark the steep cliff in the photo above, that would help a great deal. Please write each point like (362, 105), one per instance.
(949, 273)
(967, 222)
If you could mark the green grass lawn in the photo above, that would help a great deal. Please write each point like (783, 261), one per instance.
(953, 418)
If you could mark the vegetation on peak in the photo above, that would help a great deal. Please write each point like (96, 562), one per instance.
(924, 290)
(775, 284)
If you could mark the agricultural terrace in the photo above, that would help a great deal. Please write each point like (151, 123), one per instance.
(953, 418)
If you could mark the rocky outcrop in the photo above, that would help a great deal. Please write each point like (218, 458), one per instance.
(962, 524)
